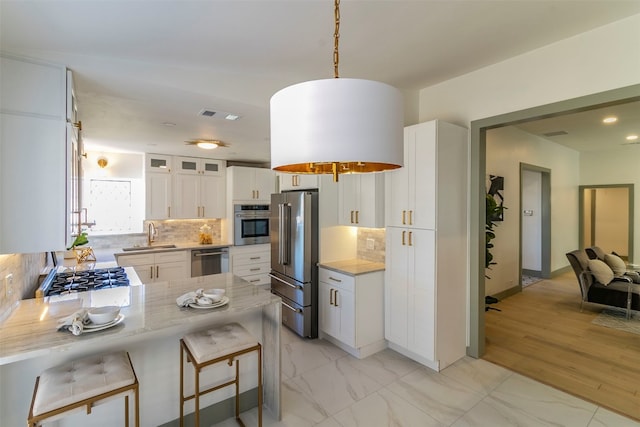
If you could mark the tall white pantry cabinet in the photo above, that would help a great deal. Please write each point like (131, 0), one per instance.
(426, 246)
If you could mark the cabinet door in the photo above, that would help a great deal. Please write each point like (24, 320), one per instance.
(344, 303)
(171, 271)
(242, 179)
(348, 189)
(397, 186)
(422, 295)
(187, 165)
(212, 196)
(186, 196)
(158, 195)
(422, 182)
(159, 163)
(396, 286)
(145, 273)
(327, 319)
(370, 199)
(297, 182)
(264, 184)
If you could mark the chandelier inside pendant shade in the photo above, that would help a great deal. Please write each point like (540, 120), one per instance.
(337, 125)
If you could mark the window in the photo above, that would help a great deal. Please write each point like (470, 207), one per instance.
(110, 204)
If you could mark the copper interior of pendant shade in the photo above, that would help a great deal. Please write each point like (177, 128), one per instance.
(336, 168)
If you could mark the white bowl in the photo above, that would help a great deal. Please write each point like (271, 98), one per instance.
(102, 315)
(215, 294)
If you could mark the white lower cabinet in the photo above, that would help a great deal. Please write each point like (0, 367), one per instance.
(351, 311)
(252, 263)
(158, 267)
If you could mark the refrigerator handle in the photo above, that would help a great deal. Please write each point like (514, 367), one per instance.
(283, 231)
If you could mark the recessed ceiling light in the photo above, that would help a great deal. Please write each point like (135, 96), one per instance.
(168, 124)
(610, 119)
(632, 137)
(232, 117)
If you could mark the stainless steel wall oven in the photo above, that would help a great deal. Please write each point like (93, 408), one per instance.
(250, 224)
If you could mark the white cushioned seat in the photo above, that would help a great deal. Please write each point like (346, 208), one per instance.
(217, 342)
(82, 379)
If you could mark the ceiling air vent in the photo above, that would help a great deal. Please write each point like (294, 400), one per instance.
(556, 133)
(207, 113)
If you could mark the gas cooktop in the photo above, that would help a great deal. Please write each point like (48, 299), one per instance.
(59, 283)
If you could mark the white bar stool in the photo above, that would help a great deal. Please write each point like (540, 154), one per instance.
(84, 382)
(205, 348)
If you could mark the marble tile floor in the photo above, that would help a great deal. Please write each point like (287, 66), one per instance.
(324, 386)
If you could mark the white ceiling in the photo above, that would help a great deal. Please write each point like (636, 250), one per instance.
(139, 64)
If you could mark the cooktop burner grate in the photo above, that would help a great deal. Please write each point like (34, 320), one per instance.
(79, 281)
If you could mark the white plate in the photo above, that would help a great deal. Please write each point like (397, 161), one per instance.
(94, 328)
(222, 302)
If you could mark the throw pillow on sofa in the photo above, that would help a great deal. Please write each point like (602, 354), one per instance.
(616, 264)
(601, 271)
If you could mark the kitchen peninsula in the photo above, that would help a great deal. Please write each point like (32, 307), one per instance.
(150, 332)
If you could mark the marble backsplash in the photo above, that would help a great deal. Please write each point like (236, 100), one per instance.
(26, 269)
(368, 236)
(168, 231)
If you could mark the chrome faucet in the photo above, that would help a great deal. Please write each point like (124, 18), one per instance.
(151, 233)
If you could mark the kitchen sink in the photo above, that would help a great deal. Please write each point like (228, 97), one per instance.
(146, 248)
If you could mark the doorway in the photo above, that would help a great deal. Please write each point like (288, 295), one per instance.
(478, 133)
(606, 218)
(535, 223)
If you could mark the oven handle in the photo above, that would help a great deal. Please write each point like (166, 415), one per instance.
(297, 310)
(209, 253)
(286, 283)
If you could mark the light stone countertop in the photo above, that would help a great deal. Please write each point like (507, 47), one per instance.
(353, 267)
(30, 330)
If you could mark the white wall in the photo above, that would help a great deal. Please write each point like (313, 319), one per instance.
(596, 61)
(506, 149)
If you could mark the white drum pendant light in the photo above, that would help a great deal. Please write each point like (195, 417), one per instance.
(337, 125)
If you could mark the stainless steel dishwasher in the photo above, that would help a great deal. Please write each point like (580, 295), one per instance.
(209, 261)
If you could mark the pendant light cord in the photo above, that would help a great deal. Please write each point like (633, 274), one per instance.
(336, 38)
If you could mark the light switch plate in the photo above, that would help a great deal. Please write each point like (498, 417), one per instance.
(370, 244)
(8, 285)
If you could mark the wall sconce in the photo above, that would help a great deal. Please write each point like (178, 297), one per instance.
(102, 162)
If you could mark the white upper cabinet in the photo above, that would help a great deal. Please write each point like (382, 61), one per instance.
(199, 188)
(158, 163)
(361, 200)
(198, 166)
(251, 185)
(34, 210)
(290, 182)
(411, 190)
(184, 187)
(158, 195)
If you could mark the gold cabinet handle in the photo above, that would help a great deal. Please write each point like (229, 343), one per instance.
(157, 271)
(351, 217)
(403, 233)
(410, 235)
(257, 194)
(403, 217)
(335, 299)
(357, 217)
(168, 211)
(331, 296)
(410, 217)
(151, 272)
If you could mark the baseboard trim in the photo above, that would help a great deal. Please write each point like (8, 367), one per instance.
(560, 271)
(508, 292)
(534, 273)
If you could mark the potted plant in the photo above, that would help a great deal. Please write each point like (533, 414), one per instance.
(493, 211)
(81, 239)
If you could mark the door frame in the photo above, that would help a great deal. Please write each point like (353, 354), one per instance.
(630, 201)
(545, 217)
(477, 190)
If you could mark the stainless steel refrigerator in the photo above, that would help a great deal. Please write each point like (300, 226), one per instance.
(294, 258)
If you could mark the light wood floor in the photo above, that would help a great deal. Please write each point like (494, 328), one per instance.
(541, 333)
